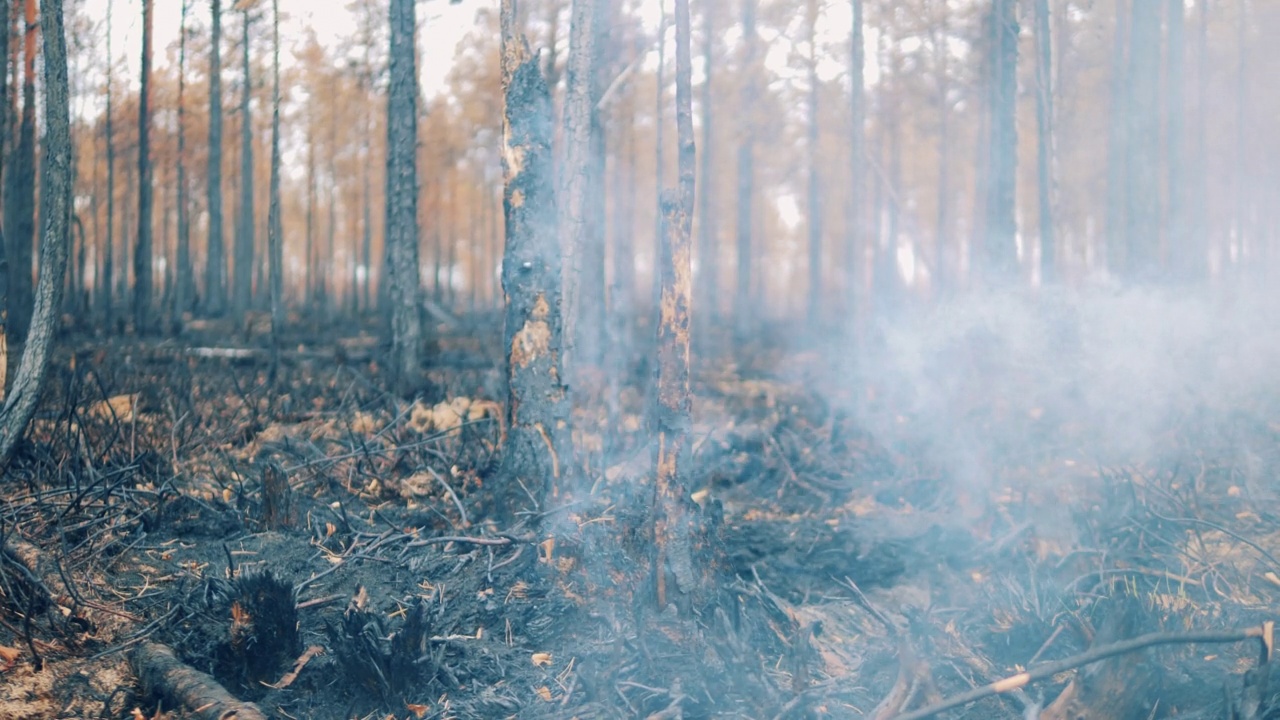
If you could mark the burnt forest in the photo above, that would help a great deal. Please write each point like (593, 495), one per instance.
(659, 359)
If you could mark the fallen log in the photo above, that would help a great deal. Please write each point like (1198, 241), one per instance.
(162, 674)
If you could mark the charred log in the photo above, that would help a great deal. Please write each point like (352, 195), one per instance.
(163, 675)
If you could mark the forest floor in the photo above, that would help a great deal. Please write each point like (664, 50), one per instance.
(863, 578)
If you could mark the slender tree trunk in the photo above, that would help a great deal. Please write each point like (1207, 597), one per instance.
(1117, 149)
(855, 199)
(1001, 231)
(142, 276)
(184, 287)
(275, 231)
(538, 452)
(708, 288)
(366, 184)
(744, 305)
(1182, 255)
(1198, 187)
(681, 555)
(5, 11)
(55, 201)
(215, 271)
(402, 200)
(243, 276)
(577, 116)
(947, 260)
(592, 298)
(1242, 190)
(814, 204)
(660, 147)
(313, 255)
(1142, 178)
(19, 215)
(1044, 140)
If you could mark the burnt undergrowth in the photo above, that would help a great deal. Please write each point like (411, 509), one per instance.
(859, 577)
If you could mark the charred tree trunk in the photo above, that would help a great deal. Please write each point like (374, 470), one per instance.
(1182, 254)
(402, 199)
(5, 10)
(1198, 187)
(1142, 169)
(55, 202)
(1044, 140)
(142, 251)
(313, 255)
(215, 271)
(814, 205)
(855, 199)
(1117, 143)
(708, 288)
(275, 231)
(744, 306)
(577, 115)
(1001, 255)
(591, 290)
(681, 567)
(242, 279)
(539, 447)
(19, 191)
(184, 286)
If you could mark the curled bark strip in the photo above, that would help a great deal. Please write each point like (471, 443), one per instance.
(162, 674)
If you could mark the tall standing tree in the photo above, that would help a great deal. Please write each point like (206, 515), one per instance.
(242, 278)
(574, 170)
(1001, 256)
(184, 287)
(946, 261)
(19, 191)
(4, 255)
(1117, 144)
(142, 251)
(855, 197)
(1183, 255)
(743, 306)
(708, 288)
(537, 407)
(814, 190)
(1044, 138)
(1142, 166)
(55, 211)
(402, 199)
(275, 231)
(216, 265)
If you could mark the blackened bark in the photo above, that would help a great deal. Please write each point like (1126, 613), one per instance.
(275, 231)
(402, 199)
(1044, 140)
(55, 206)
(855, 199)
(1117, 142)
(681, 563)
(946, 256)
(215, 271)
(5, 10)
(142, 251)
(1002, 154)
(744, 310)
(538, 451)
(814, 200)
(707, 291)
(1142, 169)
(184, 286)
(591, 308)
(1183, 255)
(242, 278)
(19, 192)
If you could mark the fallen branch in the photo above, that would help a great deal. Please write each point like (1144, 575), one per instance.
(161, 673)
(1047, 670)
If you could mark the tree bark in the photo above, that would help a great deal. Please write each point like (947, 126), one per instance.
(538, 452)
(242, 279)
(1182, 254)
(184, 287)
(947, 260)
(19, 205)
(142, 251)
(1001, 255)
(1117, 152)
(707, 290)
(215, 271)
(1142, 169)
(744, 310)
(577, 117)
(855, 199)
(200, 697)
(1044, 140)
(275, 231)
(402, 200)
(814, 200)
(680, 560)
(55, 201)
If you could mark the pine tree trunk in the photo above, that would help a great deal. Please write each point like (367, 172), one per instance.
(946, 260)
(707, 291)
(814, 199)
(242, 279)
(1044, 140)
(402, 200)
(215, 271)
(577, 117)
(1142, 168)
(55, 201)
(538, 453)
(275, 231)
(19, 205)
(5, 10)
(744, 306)
(1183, 255)
(1002, 155)
(855, 199)
(1118, 259)
(184, 286)
(142, 252)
